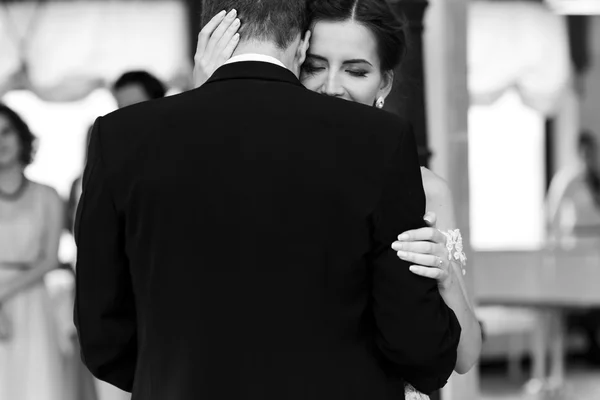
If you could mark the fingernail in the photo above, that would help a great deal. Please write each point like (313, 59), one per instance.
(232, 13)
(402, 254)
(222, 13)
(403, 237)
(236, 22)
(397, 246)
(236, 36)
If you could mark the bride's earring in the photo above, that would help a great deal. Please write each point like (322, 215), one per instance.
(380, 102)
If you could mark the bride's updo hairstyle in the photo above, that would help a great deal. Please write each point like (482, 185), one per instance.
(376, 15)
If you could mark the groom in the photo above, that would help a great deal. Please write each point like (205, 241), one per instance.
(234, 240)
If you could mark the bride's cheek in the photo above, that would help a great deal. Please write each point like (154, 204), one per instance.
(365, 92)
(306, 81)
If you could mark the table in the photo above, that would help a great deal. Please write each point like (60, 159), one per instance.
(551, 281)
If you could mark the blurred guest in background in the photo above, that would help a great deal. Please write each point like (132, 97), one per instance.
(84, 384)
(88, 387)
(31, 221)
(573, 210)
(75, 192)
(131, 88)
(573, 203)
(136, 87)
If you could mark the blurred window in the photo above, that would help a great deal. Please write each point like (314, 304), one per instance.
(507, 175)
(61, 129)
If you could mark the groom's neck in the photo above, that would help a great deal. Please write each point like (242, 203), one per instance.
(267, 49)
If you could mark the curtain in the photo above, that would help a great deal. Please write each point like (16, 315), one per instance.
(518, 45)
(72, 48)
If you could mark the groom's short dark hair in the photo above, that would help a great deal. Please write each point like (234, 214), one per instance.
(267, 20)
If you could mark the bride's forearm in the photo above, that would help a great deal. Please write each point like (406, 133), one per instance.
(469, 346)
(458, 272)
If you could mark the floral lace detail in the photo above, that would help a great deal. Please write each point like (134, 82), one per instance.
(410, 393)
(454, 245)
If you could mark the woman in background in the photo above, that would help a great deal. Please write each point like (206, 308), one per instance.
(31, 221)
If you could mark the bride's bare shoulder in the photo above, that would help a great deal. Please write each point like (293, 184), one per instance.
(436, 187)
(439, 198)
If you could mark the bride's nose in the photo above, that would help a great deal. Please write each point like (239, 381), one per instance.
(332, 86)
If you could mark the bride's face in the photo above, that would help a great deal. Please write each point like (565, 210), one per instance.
(342, 61)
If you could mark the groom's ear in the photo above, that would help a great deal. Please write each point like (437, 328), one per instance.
(303, 48)
(386, 84)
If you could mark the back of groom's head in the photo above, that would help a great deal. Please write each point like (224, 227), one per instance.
(278, 21)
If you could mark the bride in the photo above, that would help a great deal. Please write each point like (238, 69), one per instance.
(354, 48)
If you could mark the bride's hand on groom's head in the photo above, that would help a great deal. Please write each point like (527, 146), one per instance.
(216, 43)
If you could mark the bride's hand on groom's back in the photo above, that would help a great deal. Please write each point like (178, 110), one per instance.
(426, 249)
(216, 43)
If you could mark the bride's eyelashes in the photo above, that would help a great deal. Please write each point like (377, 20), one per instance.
(357, 73)
(311, 69)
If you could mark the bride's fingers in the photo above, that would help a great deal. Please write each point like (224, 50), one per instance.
(423, 234)
(426, 260)
(206, 32)
(229, 49)
(228, 43)
(219, 32)
(426, 272)
(421, 247)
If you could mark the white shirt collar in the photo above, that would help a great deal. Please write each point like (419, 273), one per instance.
(255, 57)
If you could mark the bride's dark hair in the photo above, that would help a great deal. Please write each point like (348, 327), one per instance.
(377, 15)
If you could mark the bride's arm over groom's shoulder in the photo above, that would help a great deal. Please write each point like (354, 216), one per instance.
(104, 303)
(417, 331)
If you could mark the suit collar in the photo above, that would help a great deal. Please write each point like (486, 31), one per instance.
(254, 70)
(255, 57)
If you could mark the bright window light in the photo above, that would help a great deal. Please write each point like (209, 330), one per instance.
(61, 129)
(507, 174)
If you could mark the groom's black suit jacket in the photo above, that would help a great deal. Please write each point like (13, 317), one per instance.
(234, 243)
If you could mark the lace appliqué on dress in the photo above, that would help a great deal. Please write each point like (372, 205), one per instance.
(454, 245)
(410, 393)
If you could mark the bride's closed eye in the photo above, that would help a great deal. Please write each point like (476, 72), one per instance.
(310, 68)
(357, 73)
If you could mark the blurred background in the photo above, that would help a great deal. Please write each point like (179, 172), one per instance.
(504, 96)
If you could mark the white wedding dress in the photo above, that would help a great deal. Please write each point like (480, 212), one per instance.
(410, 393)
